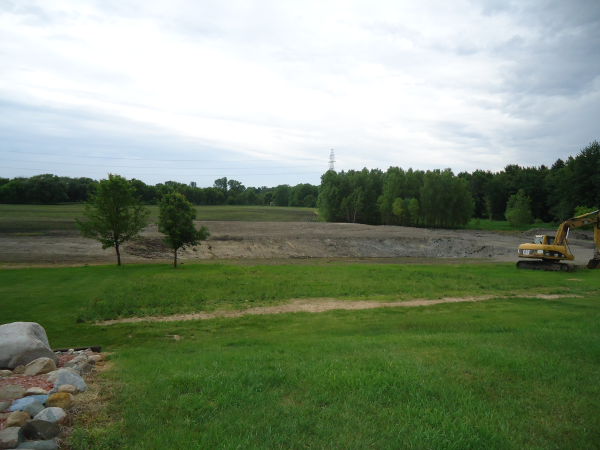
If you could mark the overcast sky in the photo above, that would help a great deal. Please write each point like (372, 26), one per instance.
(261, 91)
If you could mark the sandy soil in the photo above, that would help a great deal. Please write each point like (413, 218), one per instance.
(318, 305)
(272, 240)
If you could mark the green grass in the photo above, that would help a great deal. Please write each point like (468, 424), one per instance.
(43, 218)
(511, 373)
(158, 290)
(503, 225)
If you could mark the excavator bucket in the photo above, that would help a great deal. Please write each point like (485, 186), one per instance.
(593, 264)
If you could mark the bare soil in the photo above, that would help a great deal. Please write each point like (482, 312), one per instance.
(318, 305)
(285, 240)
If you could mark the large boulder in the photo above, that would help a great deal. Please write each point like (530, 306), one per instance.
(23, 342)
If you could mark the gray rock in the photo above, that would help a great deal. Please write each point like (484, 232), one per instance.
(39, 430)
(39, 445)
(22, 403)
(54, 415)
(4, 406)
(34, 408)
(23, 342)
(52, 376)
(39, 367)
(5, 373)
(12, 391)
(84, 368)
(70, 378)
(19, 370)
(10, 437)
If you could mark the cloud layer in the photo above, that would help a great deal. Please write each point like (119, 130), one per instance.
(418, 84)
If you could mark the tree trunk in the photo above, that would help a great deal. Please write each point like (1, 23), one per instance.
(175, 258)
(118, 254)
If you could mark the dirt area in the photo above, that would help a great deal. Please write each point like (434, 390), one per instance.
(317, 305)
(273, 240)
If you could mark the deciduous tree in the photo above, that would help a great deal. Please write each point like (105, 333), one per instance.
(176, 222)
(114, 214)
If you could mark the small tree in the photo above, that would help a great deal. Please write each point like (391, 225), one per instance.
(114, 214)
(398, 208)
(176, 222)
(518, 210)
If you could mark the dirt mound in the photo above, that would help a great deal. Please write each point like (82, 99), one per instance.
(583, 235)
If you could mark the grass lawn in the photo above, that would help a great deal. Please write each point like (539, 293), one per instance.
(511, 373)
(34, 219)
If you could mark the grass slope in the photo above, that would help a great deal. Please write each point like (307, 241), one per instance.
(501, 374)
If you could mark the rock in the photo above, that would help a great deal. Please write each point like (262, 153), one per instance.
(59, 400)
(39, 367)
(17, 419)
(96, 358)
(10, 438)
(35, 391)
(68, 388)
(84, 368)
(4, 415)
(22, 403)
(23, 342)
(52, 414)
(5, 373)
(52, 376)
(34, 408)
(4, 406)
(39, 429)
(19, 370)
(11, 392)
(39, 445)
(70, 378)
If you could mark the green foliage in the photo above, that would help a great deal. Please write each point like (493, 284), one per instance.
(398, 207)
(518, 210)
(413, 210)
(445, 200)
(113, 214)
(281, 195)
(176, 221)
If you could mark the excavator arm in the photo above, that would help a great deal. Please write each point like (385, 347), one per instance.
(575, 222)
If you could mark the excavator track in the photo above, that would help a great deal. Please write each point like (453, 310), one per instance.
(548, 266)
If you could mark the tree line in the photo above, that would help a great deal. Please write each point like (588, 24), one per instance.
(438, 198)
(52, 189)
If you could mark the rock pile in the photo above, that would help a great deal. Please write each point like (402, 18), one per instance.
(32, 417)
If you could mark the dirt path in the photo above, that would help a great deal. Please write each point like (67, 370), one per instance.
(280, 240)
(319, 305)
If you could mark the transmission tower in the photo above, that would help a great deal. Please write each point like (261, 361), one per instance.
(331, 160)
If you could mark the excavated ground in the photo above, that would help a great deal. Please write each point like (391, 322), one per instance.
(276, 240)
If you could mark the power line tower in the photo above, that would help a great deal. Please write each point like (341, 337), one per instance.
(331, 160)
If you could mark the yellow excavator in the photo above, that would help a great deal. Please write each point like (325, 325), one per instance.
(546, 252)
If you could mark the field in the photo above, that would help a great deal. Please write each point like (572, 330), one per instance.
(39, 219)
(503, 373)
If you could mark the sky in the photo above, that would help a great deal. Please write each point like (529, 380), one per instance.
(262, 91)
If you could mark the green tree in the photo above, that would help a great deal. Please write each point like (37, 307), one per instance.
(518, 209)
(398, 207)
(114, 214)
(221, 184)
(413, 209)
(176, 222)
